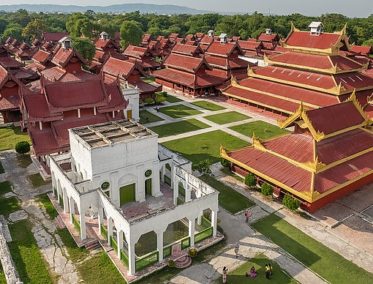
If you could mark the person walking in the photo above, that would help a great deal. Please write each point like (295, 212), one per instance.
(225, 271)
(236, 249)
(247, 215)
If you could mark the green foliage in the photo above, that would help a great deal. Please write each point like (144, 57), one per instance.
(85, 48)
(290, 202)
(266, 189)
(78, 25)
(130, 33)
(14, 31)
(34, 29)
(250, 180)
(192, 252)
(224, 162)
(171, 263)
(203, 167)
(22, 147)
(159, 98)
(149, 101)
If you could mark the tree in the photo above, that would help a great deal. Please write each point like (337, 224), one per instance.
(14, 31)
(34, 29)
(290, 202)
(159, 98)
(203, 167)
(130, 33)
(84, 47)
(22, 147)
(79, 25)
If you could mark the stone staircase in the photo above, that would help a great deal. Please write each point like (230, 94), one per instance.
(183, 261)
(92, 245)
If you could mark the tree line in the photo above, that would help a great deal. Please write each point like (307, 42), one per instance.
(28, 26)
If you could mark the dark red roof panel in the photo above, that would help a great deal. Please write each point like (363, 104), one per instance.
(307, 40)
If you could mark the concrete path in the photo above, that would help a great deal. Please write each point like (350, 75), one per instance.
(44, 230)
(311, 227)
(251, 244)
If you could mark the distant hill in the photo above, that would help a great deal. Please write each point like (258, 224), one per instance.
(120, 8)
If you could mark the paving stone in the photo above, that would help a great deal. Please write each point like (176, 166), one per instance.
(18, 216)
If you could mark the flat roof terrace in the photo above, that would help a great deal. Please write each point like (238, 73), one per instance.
(108, 133)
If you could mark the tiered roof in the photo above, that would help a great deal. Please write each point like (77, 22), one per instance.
(328, 150)
(142, 55)
(318, 65)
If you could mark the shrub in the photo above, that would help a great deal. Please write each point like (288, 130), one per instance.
(250, 180)
(266, 189)
(149, 101)
(192, 252)
(203, 167)
(159, 98)
(224, 162)
(290, 202)
(171, 263)
(22, 147)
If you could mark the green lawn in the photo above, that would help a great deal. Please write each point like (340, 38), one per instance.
(149, 79)
(99, 269)
(313, 254)
(238, 275)
(48, 206)
(10, 136)
(261, 129)
(36, 180)
(26, 255)
(176, 128)
(208, 105)
(1, 168)
(178, 111)
(205, 146)
(229, 199)
(5, 187)
(172, 99)
(9, 205)
(147, 117)
(226, 117)
(2, 275)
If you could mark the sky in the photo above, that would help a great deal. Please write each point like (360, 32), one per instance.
(354, 8)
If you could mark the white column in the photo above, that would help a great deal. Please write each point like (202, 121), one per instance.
(172, 174)
(119, 242)
(214, 221)
(109, 230)
(83, 233)
(131, 258)
(192, 230)
(162, 173)
(72, 209)
(99, 218)
(140, 185)
(199, 219)
(65, 201)
(175, 190)
(160, 244)
(156, 189)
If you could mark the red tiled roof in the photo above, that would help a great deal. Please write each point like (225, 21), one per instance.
(135, 51)
(63, 56)
(344, 172)
(275, 167)
(54, 73)
(182, 62)
(38, 109)
(102, 43)
(41, 56)
(117, 67)
(362, 49)
(186, 49)
(250, 44)
(205, 40)
(290, 92)
(342, 146)
(223, 49)
(267, 37)
(307, 40)
(54, 36)
(84, 93)
(314, 61)
(226, 63)
(10, 62)
(337, 117)
(262, 99)
(43, 141)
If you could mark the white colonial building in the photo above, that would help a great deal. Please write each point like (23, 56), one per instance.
(116, 175)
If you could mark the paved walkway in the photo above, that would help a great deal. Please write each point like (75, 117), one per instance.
(312, 227)
(44, 229)
(213, 126)
(251, 244)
